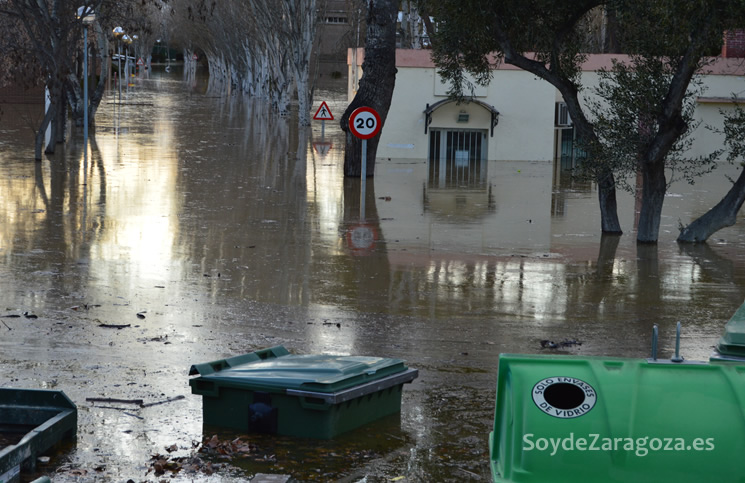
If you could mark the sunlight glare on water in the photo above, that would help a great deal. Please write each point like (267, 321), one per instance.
(209, 227)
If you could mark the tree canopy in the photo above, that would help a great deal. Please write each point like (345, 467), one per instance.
(42, 44)
(670, 41)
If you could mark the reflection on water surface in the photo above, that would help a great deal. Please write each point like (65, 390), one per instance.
(229, 230)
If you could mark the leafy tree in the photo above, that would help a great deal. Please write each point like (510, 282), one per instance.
(46, 48)
(724, 213)
(684, 36)
(624, 116)
(676, 34)
(539, 36)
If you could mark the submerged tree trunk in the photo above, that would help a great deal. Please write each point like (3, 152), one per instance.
(60, 131)
(609, 223)
(302, 36)
(95, 97)
(653, 197)
(302, 82)
(41, 133)
(586, 132)
(75, 97)
(722, 215)
(57, 117)
(376, 84)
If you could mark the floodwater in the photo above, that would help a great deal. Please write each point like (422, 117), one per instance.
(208, 227)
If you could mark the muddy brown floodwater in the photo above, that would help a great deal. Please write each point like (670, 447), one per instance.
(208, 227)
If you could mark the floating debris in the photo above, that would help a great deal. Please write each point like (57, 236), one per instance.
(193, 463)
(216, 447)
(549, 344)
(85, 306)
(115, 326)
(168, 400)
(138, 402)
(160, 338)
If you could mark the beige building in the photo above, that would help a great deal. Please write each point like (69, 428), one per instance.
(423, 122)
(722, 79)
(517, 117)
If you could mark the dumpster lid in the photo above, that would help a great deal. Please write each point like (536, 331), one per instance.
(35, 398)
(277, 368)
(733, 341)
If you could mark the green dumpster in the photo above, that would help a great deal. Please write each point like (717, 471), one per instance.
(35, 420)
(732, 342)
(314, 396)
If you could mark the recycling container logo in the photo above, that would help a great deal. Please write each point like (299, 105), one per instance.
(564, 397)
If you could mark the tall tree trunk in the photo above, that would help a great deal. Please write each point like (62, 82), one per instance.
(302, 36)
(653, 197)
(377, 82)
(302, 81)
(429, 27)
(95, 98)
(60, 134)
(42, 132)
(611, 43)
(59, 114)
(74, 91)
(609, 223)
(722, 215)
(585, 130)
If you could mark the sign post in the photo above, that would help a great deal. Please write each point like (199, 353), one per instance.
(323, 114)
(364, 124)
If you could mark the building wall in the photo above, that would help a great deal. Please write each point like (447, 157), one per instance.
(526, 105)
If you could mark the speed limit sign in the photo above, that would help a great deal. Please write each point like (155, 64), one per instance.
(364, 122)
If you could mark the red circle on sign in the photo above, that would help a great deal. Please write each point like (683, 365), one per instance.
(361, 239)
(364, 122)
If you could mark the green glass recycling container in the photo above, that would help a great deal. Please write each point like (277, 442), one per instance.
(732, 342)
(312, 396)
(602, 419)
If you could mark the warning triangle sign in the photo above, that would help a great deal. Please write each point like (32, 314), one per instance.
(323, 113)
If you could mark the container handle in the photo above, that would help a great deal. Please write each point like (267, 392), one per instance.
(272, 352)
(316, 403)
(677, 357)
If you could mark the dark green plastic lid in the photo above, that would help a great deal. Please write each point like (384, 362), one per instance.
(277, 369)
(732, 343)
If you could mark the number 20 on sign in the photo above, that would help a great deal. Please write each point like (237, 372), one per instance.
(364, 122)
